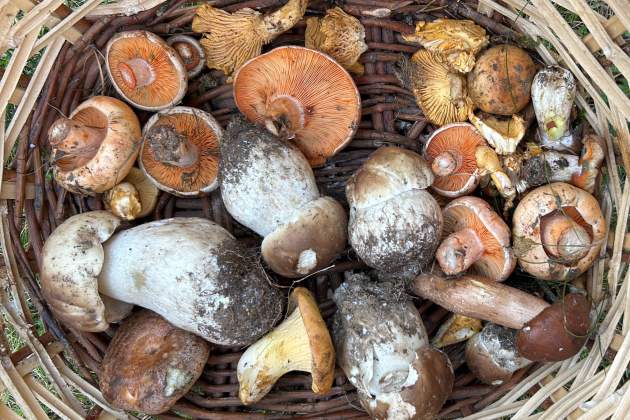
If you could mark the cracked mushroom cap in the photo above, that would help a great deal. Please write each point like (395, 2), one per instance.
(558, 231)
(451, 152)
(150, 364)
(145, 70)
(474, 231)
(303, 94)
(339, 35)
(189, 50)
(180, 152)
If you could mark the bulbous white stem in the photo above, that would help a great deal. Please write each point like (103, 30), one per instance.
(564, 239)
(459, 251)
(445, 163)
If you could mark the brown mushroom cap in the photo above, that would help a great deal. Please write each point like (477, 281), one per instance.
(558, 332)
(455, 144)
(180, 153)
(501, 81)
(190, 52)
(145, 70)
(303, 93)
(150, 364)
(487, 232)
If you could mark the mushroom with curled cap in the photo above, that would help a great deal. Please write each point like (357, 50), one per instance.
(180, 152)
(339, 35)
(300, 343)
(558, 231)
(95, 148)
(301, 94)
(230, 39)
(451, 152)
(477, 237)
(145, 70)
(133, 198)
(383, 348)
(150, 364)
(500, 133)
(189, 50)
(216, 276)
(553, 93)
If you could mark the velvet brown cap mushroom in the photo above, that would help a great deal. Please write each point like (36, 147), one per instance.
(189, 50)
(145, 70)
(150, 364)
(302, 94)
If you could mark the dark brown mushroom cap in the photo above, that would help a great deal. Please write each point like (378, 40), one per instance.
(558, 332)
(150, 364)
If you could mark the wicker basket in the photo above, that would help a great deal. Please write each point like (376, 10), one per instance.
(70, 70)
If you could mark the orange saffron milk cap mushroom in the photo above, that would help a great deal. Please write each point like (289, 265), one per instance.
(189, 50)
(180, 153)
(301, 94)
(145, 70)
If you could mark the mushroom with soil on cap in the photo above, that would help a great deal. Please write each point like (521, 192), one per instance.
(180, 152)
(451, 152)
(384, 350)
(553, 92)
(189, 50)
(96, 147)
(475, 237)
(230, 39)
(395, 224)
(558, 231)
(500, 133)
(133, 198)
(189, 270)
(150, 364)
(146, 71)
(303, 95)
(300, 343)
(268, 186)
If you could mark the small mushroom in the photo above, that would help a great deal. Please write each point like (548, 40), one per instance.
(180, 152)
(451, 152)
(95, 148)
(456, 329)
(303, 95)
(384, 351)
(145, 70)
(268, 186)
(190, 52)
(501, 80)
(502, 134)
(590, 162)
(339, 35)
(395, 224)
(301, 342)
(477, 237)
(455, 41)
(489, 165)
(150, 364)
(133, 198)
(230, 39)
(553, 92)
(558, 231)
(189, 270)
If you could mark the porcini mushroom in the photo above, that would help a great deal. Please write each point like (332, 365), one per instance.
(553, 92)
(133, 198)
(501, 80)
(339, 35)
(189, 50)
(145, 70)
(150, 364)
(189, 270)
(301, 94)
(456, 329)
(301, 342)
(95, 148)
(477, 237)
(384, 351)
(180, 152)
(558, 231)
(502, 134)
(455, 41)
(395, 224)
(451, 152)
(230, 39)
(269, 186)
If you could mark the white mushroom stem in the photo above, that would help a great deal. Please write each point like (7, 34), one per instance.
(563, 238)
(445, 163)
(285, 114)
(171, 147)
(459, 251)
(136, 73)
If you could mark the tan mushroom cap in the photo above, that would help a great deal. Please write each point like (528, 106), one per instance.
(451, 152)
(180, 153)
(108, 136)
(303, 94)
(529, 221)
(145, 70)
(455, 41)
(339, 35)
(150, 364)
(472, 227)
(190, 52)
(230, 39)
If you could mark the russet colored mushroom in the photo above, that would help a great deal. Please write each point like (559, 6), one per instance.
(190, 52)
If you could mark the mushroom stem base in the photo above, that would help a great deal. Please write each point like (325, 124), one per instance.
(459, 251)
(171, 147)
(75, 144)
(285, 116)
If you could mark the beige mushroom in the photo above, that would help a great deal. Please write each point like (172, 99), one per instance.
(553, 92)
(133, 198)
(489, 165)
(502, 134)
(456, 329)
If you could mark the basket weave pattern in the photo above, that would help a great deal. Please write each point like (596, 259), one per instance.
(71, 69)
